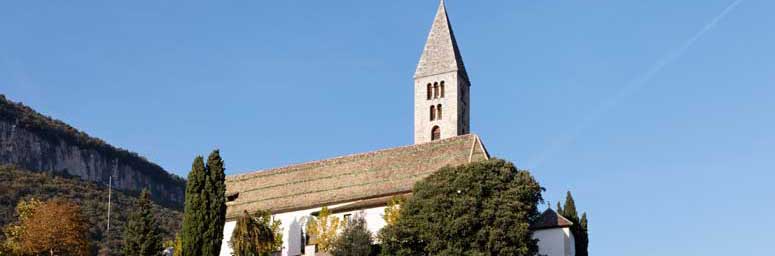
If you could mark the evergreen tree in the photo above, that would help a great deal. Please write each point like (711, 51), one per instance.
(583, 249)
(215, 194)
(355, 239)
(142, 235)
(569, 211)
(579, 225)
(195, 215)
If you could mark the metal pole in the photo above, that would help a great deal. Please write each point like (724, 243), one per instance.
(110, 188)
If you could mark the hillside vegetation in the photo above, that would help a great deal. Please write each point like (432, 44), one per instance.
(56, 133)
(16, 185)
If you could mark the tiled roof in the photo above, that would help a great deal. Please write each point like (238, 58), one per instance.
(441, 53)
(348, 178)
(551, 219)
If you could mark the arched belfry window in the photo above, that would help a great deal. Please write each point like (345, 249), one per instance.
(435, 90)
(441, 86)
(438, 112)
(430, 89)
(436, 133)
(433, 113)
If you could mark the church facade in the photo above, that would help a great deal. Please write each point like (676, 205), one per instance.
(361, 185)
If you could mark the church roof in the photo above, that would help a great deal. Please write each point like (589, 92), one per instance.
(441, 53)
(550, 219)
(349, 178)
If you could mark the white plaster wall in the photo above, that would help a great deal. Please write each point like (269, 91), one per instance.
(293, 223)
(552, 242)
(555, 242)
(228, 228)
(374, 218)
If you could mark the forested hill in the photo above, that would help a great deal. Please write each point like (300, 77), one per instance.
(37, 142)
(16, 185)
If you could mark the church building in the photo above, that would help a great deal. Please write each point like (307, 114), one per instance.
(363, 184)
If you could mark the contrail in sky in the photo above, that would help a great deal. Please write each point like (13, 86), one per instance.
(630, 88)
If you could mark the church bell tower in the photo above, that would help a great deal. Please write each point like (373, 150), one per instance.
(441, 86)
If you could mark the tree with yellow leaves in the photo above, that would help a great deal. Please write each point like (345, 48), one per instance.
(323, 229)
(393, 210)
(54, 227)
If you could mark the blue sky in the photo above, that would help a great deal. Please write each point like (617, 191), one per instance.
(658, 117)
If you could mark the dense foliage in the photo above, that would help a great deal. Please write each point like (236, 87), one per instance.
(215, 188)
(579, 229)
(257, 235)
(54, 227)
(323, 229)
(354, 240)
(55, 131)
(18, 185)
(141, 235)
(482, 208)
(205, 208)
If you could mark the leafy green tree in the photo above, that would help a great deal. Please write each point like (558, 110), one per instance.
(254, 236)
(195, 215)
(215, 194)
(142, 235)
(579, 228)
(355, 239)
(482, 208)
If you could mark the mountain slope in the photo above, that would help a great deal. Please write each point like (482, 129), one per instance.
(37, 142)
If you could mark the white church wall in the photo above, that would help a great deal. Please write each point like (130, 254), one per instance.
(552, 242)
(373, 216)
(293, 223)
(555, 242)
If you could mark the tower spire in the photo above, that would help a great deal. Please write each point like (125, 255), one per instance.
(441, 85)
(441, 53)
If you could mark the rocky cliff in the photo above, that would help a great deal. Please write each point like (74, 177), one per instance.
(36, 142)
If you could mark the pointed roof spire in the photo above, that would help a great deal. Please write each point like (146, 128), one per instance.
(441, 53)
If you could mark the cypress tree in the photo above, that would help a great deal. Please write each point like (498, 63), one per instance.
(215, 191)
(583, 249)
(142, 236)
(569, 211)
(559, 209)
(194, 217)
(579, 225)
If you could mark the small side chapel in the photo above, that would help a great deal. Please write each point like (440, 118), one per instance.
(363, 184)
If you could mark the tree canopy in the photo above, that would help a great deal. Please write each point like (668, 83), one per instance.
(482, 208)
(54, 227)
